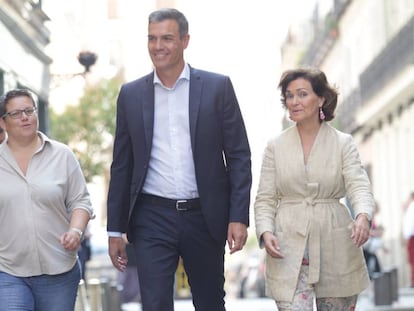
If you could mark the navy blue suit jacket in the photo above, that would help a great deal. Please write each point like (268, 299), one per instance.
(219, 143)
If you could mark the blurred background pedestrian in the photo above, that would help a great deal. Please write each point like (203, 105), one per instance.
(408, 233)
(85, 253)
(374, 244)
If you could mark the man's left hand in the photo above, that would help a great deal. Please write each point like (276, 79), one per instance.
(236, 236)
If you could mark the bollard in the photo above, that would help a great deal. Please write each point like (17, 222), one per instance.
(95, 294)
(382, 289)
(394, 283)
(82, 298)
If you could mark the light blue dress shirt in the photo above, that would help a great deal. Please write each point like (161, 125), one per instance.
(171, 172)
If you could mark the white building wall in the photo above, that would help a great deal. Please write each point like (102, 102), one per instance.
(360, 39)
(20, 65)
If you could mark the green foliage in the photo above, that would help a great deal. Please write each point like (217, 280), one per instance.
(88, 127)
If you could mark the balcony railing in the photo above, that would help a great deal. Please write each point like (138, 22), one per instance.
(398, 54)
(347, 110)
(325, 35)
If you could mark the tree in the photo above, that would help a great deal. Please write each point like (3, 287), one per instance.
(88, 128)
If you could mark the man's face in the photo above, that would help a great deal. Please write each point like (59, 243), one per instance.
(165, 46)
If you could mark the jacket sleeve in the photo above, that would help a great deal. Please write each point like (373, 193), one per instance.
(237, 156)
(266, 199)
(121, 171)
(357, 183)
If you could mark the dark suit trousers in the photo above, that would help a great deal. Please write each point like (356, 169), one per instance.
(160, 235)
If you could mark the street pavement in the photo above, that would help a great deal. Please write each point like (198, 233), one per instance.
(250, 304)
(366, 300)
(405, 301)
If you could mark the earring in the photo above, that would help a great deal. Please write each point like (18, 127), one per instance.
(321, 114)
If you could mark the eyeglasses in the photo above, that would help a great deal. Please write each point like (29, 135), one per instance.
(17, 114)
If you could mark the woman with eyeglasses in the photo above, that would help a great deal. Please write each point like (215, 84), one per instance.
(44, 210)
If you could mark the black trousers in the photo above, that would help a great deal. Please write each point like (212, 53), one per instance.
(161, 235)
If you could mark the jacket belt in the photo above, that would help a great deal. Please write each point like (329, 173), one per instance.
(180, 205)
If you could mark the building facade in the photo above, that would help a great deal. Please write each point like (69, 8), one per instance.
(366, 48)
(23, 62)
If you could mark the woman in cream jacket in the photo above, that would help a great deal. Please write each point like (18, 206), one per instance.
(313, 243)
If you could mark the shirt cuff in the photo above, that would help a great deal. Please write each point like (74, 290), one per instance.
(113, 234)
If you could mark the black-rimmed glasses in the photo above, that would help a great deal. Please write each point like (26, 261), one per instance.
(17, 114)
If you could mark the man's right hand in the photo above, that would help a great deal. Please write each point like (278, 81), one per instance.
(117, 253)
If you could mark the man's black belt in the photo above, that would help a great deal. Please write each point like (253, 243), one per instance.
(179, 205)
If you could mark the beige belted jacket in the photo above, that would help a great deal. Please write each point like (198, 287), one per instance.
(301, 205)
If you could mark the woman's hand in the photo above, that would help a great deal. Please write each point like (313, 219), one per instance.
(360, 230)
(272, 245)
(70, 240)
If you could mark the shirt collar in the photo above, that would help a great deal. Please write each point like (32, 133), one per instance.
(44, 139)
(185, 75)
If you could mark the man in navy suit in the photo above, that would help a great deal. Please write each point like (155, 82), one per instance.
(181, 172)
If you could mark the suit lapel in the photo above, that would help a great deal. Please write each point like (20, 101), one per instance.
(148, 110)
(196, 84)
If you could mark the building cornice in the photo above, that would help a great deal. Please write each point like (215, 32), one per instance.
(23, 37)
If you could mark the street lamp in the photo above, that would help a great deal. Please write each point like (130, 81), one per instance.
(86, 58)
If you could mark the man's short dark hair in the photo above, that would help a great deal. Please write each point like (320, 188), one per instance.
(169, 13)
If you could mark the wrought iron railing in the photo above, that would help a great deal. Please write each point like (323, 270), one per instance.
(398, 54)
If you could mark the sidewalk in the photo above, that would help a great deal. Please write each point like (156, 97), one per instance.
(366, 300)
(405, 301)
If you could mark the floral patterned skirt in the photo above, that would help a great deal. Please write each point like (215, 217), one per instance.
(304, 299)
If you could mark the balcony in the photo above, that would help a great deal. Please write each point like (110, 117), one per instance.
(325, 35)
(347, 110)
(397, 55)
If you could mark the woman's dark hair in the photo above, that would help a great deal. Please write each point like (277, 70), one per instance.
(13, 94)
(320, 86)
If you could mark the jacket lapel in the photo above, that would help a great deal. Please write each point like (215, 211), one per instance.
(196, 84)
(148, 110)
